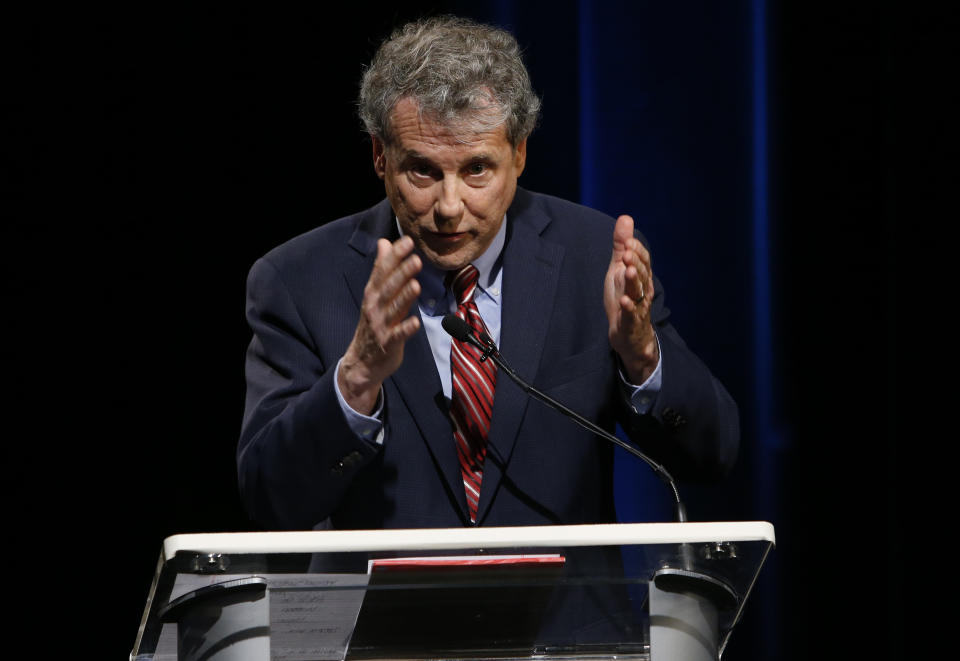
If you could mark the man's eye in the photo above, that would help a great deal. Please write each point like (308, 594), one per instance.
(477, 168)
(422, 170)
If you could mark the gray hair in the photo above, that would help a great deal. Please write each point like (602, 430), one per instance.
(467, 76)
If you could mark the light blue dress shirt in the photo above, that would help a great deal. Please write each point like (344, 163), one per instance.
(436, 301)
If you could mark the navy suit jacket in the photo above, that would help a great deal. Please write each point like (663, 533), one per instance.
(300, 466)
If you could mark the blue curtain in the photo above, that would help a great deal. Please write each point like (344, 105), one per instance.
(659, 110)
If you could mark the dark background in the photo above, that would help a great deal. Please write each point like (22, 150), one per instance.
(153, 152)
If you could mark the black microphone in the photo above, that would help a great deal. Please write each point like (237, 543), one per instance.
(460, 330)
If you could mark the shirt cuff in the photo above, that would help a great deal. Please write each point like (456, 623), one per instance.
(367, 427)
(642, 398)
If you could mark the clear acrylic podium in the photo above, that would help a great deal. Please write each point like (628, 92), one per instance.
(655, 591)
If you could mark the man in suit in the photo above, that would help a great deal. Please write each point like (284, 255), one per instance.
(362, 413)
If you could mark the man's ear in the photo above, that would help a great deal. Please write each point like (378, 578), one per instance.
(520, 156)
(379, 157)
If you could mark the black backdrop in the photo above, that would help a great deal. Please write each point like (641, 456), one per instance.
(154, 151)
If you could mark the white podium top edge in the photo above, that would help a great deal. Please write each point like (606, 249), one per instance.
(427, 539)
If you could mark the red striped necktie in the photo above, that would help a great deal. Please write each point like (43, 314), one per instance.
(473, 385)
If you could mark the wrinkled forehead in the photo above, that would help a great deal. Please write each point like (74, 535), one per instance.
(465, 126)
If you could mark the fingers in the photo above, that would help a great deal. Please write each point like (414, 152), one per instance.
(390, 256)
(638, 276)
(391, 291)
(629, 283)
(399, 291)
(622, 233)
(405, 329)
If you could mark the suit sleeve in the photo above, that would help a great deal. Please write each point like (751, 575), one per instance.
(693, 427)
(297, 454)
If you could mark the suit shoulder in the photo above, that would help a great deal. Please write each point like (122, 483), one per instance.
(568, 221)
(559, 209)
(564, 221)
(323, 238)
(331, 242)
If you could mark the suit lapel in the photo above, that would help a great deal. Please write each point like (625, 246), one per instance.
(531, 269)
(416, 381)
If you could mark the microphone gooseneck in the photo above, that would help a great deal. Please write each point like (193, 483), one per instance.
(460, 330)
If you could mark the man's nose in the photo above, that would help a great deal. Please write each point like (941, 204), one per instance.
(449, 205)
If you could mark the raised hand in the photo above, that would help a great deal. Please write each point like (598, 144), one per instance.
(376, 350)
(627, 296)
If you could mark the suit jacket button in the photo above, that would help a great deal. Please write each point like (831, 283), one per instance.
(672, 418)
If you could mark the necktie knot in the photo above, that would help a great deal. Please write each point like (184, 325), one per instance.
(463, 283)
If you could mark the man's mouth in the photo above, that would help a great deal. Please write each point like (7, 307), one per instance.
(447, 237)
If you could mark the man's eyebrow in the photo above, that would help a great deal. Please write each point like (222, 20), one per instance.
(414, 155)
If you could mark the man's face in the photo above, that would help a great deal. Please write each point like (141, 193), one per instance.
(449, 194)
